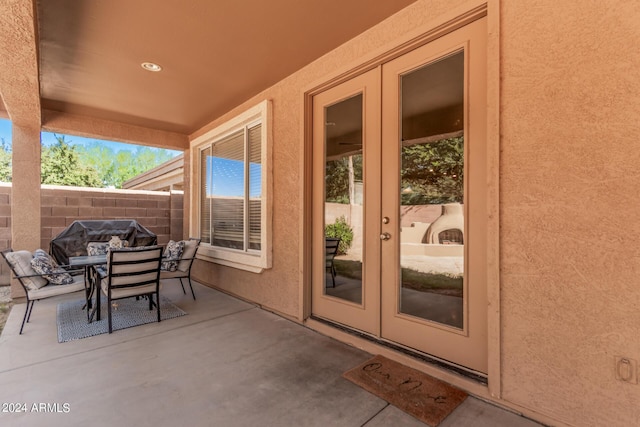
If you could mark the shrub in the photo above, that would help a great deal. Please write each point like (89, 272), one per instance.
(340, 230)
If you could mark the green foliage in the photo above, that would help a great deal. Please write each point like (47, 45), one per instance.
(92, 165)
(337, 178)
(340, 230)
(5, 161)
(61, 166)
(115, 168)
(433, 172)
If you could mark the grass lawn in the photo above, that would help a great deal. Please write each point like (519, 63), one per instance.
(411, 279)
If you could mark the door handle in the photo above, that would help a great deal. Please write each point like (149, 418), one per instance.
(385, 236)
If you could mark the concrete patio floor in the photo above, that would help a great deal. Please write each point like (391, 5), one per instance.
(226, 363)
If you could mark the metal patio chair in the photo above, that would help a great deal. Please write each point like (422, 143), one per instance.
(331, 250)
(37, 286)
(183, 270)
(132, 272)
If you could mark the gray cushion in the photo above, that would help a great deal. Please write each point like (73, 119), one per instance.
(190, 248)
(51, 291)
(43, 264)
(21, 262)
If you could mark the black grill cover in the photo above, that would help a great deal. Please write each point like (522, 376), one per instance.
(72, 241)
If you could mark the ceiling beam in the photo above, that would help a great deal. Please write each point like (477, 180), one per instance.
(19, 79)
(91, 127)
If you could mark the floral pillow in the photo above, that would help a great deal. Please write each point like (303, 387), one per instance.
(43, 264)
(173, 252)
(96, 248)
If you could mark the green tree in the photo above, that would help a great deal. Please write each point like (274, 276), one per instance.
(337, 178)
(61, 165)
(100, 158)
(114, 168)
(5, 161)
(433, 172)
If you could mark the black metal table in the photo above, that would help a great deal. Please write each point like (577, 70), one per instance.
(91, 281)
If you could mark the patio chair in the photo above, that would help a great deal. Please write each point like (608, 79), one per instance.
(38, 286)
(132, 272)
(183, 270)
(331, 250)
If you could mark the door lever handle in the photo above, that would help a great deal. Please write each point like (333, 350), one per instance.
(385, 236)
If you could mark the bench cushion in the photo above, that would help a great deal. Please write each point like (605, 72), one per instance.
(53, 290)
(189, 251)
(21, 262)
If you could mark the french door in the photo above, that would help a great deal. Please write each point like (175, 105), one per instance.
(399, 176)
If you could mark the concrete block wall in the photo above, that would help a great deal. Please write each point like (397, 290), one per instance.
(160, 212)
(176, 216)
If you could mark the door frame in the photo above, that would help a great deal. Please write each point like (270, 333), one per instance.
(434, 28)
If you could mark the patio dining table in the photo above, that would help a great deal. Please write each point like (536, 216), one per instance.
(92, 279)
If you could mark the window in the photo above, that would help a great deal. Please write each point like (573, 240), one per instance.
(234, 183)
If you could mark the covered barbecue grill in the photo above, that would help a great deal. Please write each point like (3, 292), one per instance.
(72, 241)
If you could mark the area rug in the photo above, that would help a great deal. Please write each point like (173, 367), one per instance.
(426, 398)
(72, 319)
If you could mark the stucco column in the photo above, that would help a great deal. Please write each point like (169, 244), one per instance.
(187, 202)
(25, 193)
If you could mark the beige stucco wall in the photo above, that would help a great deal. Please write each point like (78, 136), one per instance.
(569, 253)
(569, 182)
(278, 289)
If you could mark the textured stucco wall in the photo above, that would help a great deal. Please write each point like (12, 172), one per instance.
(279, 288)
(570, 253)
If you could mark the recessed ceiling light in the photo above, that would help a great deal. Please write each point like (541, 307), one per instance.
(150, 66)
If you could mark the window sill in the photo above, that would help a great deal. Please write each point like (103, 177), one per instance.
(254, 263)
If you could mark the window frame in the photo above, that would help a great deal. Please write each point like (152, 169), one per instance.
(247, 259)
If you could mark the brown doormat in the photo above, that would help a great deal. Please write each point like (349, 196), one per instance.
(426, 398)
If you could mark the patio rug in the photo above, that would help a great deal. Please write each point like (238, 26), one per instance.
(72, 319)
(426, 398)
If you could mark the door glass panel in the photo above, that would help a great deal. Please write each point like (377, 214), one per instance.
(344, 199)
(432, 192)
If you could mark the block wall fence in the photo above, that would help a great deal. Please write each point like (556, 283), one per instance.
(159, 211)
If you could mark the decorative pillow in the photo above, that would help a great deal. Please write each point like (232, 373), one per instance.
(96, 248)
(173, 251)
(116, 243)
(21, 263)
(43, 264)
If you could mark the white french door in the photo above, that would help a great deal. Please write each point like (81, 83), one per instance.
(399, 159)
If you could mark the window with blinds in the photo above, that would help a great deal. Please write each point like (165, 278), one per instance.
(231, 190)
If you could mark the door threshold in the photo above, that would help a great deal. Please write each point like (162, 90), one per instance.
(423, 357)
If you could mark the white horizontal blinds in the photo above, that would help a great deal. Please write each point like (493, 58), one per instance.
(205, 192)
(227, 170)
(255, 186)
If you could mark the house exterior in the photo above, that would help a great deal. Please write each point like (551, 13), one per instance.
(169, 176)
(544, 96)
